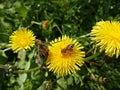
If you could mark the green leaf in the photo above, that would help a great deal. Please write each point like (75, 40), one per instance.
(23, 64)
(38, 77)
(61, 84)
(4, 25)
(45, 86)
(21, 78)
(78, 79)
(21, 9)
(31, 54)
(3, 37)
(70, 80)
(3, 57)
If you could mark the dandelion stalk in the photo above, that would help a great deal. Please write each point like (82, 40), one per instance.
(34, 22)
(86, 35)
(92, 57)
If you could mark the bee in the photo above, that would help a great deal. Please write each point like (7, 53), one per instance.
(67, 48)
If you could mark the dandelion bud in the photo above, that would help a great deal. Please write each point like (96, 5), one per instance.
(45, 25)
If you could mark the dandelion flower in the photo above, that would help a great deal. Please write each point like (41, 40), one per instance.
(107, 37)
(21, 39)
(65, 56)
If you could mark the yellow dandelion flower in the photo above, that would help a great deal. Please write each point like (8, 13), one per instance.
(65, 56)
(21, 39)
(107, 36)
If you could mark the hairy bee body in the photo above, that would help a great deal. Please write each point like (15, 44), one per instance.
(67, 48)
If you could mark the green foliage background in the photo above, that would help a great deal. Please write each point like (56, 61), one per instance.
(71, 17)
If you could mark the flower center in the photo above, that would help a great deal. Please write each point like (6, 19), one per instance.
(24, 41)
(114, 37)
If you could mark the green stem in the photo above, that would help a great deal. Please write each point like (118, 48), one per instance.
(27, 71)
(6, 49)
(4, 34)
(91, 57)
(33, 22)
(86, 35)
(59, 29)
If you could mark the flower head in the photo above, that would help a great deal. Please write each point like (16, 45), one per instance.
(21, 39)
(65, 56)
(107, 36)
